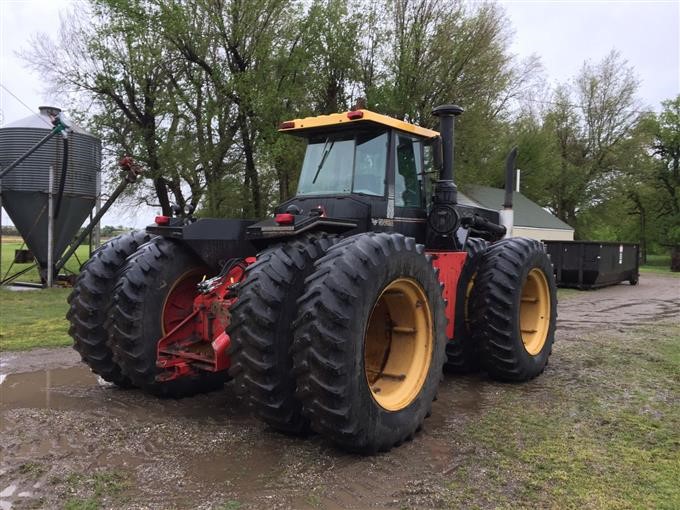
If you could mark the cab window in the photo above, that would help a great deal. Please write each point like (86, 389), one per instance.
(408, 173)
(369, 164)
(327, 167)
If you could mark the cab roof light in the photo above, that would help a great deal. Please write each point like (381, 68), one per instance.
(354, 115)
(287, 125)
(162, 220)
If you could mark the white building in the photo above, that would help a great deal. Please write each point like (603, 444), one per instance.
(530, 219)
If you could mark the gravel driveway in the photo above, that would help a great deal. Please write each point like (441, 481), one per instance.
(68, 439)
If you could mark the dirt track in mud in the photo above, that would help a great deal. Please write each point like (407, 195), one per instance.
(68, 439)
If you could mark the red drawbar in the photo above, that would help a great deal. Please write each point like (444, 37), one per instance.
(195, 323)
(450, 265)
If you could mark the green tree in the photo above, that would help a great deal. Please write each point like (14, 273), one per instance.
(666, 151)
(196, 88)
(113, 58)
(442, 52)
(577, 147)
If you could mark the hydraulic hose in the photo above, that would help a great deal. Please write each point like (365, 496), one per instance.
(62, 180)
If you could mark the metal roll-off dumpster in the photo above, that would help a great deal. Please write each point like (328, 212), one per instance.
(594, 264)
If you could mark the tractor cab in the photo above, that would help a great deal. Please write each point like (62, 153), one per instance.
(362, 171)
(366, 154)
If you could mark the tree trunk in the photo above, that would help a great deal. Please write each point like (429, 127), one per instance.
(159, 183)
(162, 194)
(675, 259)
(643, 238)
(282, 175)
(252, 179)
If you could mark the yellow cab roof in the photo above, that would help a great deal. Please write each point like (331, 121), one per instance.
(300, 126)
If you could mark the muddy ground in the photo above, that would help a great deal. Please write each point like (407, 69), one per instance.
(70, 441)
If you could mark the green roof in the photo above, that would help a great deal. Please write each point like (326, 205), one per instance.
(527, 213)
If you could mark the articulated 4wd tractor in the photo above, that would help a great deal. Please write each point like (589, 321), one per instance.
(340, 312)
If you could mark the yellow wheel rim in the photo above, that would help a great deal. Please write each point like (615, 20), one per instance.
(534, 312)
(468, 291)
(398, 344)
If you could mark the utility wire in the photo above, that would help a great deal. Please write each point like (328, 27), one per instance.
(25, 105)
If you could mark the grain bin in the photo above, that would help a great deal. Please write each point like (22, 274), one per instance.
(26, 189)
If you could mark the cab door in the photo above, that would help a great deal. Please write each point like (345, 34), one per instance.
(410, 213)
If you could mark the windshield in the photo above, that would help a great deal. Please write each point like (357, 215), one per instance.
(344, 164)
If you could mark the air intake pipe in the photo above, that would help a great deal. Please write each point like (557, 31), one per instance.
(447, 114)
(443, 219)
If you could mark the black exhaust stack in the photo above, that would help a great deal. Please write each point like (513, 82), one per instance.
(510, 177)
(507, 215)
(443, 220)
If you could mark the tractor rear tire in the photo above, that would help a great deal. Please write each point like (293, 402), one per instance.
(261, 333)
(141, 312)
(90, 299)
(514, 309)
(462, 354)
(370, 340)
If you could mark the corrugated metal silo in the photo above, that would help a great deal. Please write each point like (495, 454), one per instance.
(25, 190)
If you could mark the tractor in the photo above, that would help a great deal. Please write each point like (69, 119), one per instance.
(338, 314)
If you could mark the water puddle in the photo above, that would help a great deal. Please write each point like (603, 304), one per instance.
(93, 426)
(46, 389)
(78, 389)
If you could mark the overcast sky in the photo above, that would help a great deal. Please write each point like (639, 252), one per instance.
(562, 33)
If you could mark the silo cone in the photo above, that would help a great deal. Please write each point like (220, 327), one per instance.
(25, 190)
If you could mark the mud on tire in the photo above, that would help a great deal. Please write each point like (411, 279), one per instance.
(514, 309)
(370, 295)
(136, 315)
(261, 332)
(89, 300)
(462, 354)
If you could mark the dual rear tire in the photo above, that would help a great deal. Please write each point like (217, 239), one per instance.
(89, 301)
(506, 310)
(347, 339)
(462, 353)
(154, 292)
(261, 333)
(131, 292)
(370, 342)
(513, 309)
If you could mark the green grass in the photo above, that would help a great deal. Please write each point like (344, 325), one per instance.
(33, 318)
(658, 264)
(565, 293)
(232, 504)
(9, 244)
(93, 489)
(32, 468)
(598, 430)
